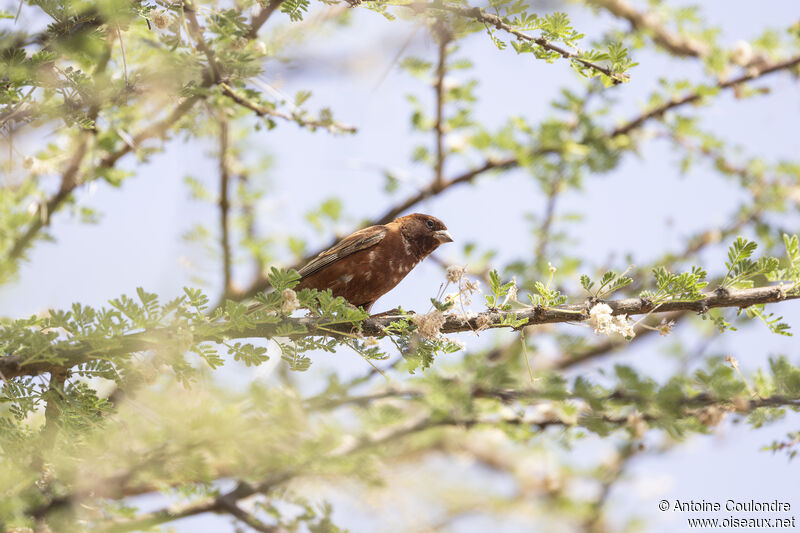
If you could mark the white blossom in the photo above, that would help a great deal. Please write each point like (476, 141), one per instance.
(455, 272)
(289, 301)
(371, 341)
(429, 325)
(604, 322)
(742, 53)
(161, 20)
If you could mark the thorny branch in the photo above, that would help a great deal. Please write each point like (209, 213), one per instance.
(489, 19)
(376, 326)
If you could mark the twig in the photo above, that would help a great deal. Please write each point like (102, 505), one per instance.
(229, 504)
(695, 96)
(224, 207)
(443, 36)
(614, 472)
(649, 23)
(154, 130)
(197, 35)
(124, 60)
(547, 219)
(261, 111)
(261, 17)
(55, 391)
(493, 20)
(45, 212)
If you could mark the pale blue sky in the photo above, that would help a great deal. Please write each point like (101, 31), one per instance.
(138, 242)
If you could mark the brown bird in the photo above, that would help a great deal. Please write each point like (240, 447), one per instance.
(371, 262)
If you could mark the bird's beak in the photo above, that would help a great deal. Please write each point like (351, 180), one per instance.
(442, 236)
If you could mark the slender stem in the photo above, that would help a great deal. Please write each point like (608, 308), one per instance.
(224, 208)
(443, 36)
(197, 35)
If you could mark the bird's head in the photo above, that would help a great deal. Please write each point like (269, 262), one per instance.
(424, 232)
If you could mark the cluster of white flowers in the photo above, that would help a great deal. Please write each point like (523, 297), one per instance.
(239, 43)
(429, 325)
(604, 322)
(483, 322)
(161, 19)
(449, 83)
(742, 53)
(466, 287)
(102, 387)
(636, 423)
(511, 295)
(665, 328)
(38, 167)
(711, 416)
(456, 142)
(289, 301)
(455, 273)
(371, 341)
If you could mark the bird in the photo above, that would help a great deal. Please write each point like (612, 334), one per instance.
(364, 266)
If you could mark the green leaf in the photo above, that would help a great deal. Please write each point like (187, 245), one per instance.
(283, 279)
(296, 9)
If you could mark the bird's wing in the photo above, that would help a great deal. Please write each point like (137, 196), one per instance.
(359, 240)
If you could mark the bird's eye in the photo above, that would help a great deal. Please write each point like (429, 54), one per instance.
(429, 224)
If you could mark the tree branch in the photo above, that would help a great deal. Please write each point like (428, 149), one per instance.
(650, 23)
(612, 474)
(224, 207)
(394, 434)
(443, 36)
(197, 35)
(70, 180)
(261, 111)
(478, 15)
(261, 17)
(695, 96)
(71, 354)
(229, 504)
(45, 212)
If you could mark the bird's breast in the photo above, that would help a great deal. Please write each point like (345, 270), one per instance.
(368, 274)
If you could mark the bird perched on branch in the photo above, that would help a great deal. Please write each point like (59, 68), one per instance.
(369, 263)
